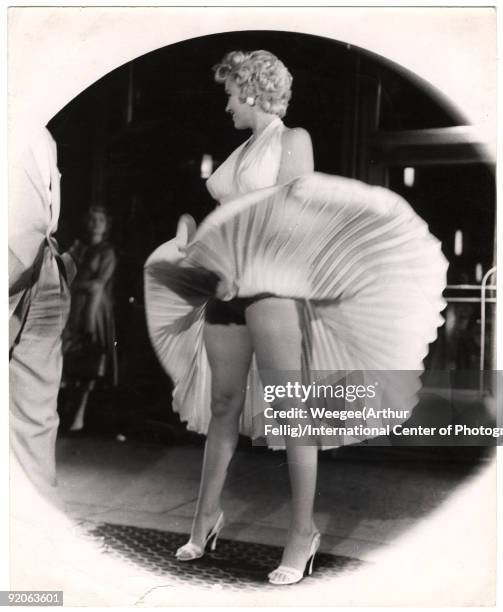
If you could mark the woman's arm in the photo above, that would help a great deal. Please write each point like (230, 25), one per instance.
(297, 155)
(108, 262)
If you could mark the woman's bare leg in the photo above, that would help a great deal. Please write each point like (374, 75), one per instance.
(277, 338)
(229, 352)
(78, 419)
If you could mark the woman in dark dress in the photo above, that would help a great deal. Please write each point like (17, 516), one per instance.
(90, 333)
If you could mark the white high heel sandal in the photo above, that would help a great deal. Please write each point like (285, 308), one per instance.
(289, 575)
(191, 551)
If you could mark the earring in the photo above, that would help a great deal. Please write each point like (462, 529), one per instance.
(250, 100)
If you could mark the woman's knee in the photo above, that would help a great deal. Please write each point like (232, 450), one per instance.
(227, 404)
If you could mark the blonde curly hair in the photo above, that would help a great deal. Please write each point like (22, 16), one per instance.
(259, 75)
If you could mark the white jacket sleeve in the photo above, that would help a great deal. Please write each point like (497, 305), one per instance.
(34, 197)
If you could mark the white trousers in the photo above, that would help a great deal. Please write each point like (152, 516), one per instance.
(35, 373)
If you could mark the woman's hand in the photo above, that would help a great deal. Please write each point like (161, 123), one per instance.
(70, 267)
(185, 231)
(75, 249)
(226, 290)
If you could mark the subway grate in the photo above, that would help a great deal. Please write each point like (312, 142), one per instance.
(234, 565)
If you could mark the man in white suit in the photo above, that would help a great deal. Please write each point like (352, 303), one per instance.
(39, 301)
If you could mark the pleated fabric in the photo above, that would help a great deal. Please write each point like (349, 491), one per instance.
(366, 271)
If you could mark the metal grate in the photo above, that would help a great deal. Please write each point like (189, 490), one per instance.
(234, 565)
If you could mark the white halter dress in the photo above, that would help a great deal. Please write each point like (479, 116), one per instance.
(366, 272)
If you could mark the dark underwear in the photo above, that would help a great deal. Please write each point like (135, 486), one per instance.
(232, 311)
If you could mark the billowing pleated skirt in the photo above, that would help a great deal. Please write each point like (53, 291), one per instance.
(367, 275)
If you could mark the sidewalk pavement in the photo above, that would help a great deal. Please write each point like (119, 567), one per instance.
(361, 505)
(398, 529)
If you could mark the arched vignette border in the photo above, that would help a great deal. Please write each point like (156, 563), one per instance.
(55, 53)
(43, 80)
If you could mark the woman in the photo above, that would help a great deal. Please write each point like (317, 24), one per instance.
(273, 277)
(89, 338)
